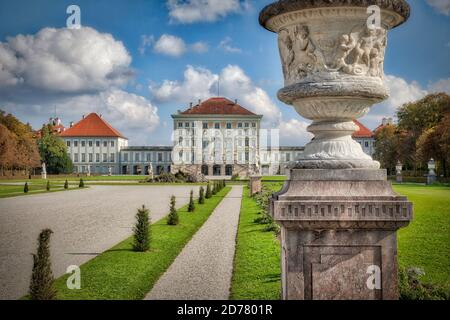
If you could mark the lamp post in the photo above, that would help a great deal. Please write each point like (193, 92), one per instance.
(398, 169)
(338, 214)
(431, 178)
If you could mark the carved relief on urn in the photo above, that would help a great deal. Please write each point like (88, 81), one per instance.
(332, 61)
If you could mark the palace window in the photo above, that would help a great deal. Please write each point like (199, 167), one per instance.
(75, 157)
(137, 157)
(105, 143)
(149, 157)
(112, 157)
(83, 157)
(180, 124)
(239, 124)
(125, 157)
(367, 144)
(186, 125)
(68, 144)
(253, 124)
(160, 157)
(97, 144)
(83, 143)
(217, 125)
(247, 125)
(112, 144)
(105, 157)
(97, 157)
(91, 157)
(228, 125)
(90, 143)
(205, 125)
(75, 143)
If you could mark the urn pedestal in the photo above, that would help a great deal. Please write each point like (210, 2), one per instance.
(339, 234)
(338, 213)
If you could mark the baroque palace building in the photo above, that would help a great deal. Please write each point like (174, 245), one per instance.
(216, 137)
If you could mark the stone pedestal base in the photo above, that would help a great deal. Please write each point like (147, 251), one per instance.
(338, 234)
(255, 184)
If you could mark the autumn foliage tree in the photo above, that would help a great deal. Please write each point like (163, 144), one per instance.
(18, 147)
(423, 132)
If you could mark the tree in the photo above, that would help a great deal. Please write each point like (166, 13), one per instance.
(387, 147)
(418, 122)
(201, 197)
(172, 218)
(18, 148)
(142, 230)
(435, 143)
(191, 207)
(41, 286)
(208, 191)
(53, 151)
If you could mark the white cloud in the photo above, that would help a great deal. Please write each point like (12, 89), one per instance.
(401, 92)
(64, 61)
(442, 85)
(170, 45)
(191, 11)
(200, 83)
(200, 47)
(131, 114)
(294, 133)
(226, 45)
(442, 6)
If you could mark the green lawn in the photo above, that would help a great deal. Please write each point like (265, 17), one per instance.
(274, 178)
(121, 274)
(425, 243)
(34, 187)
(257, 270)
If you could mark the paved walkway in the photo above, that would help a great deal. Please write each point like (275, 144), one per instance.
(204, 268)
(85, 223)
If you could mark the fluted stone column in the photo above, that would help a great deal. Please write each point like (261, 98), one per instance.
(338, 213)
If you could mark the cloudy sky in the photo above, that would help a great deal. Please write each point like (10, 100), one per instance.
(137, 62)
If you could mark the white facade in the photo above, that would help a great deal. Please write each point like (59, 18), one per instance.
(367, 144)
(136, 160)
(95, 154)
(216, 143)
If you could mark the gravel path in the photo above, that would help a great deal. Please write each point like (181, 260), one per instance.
(85, 223)
(204, 268)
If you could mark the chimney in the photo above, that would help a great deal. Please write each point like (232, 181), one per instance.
(71, 124)
(190, 105)
(235, 101)
(58, 121)
(83, 116)
(101, 116)
(199, 101)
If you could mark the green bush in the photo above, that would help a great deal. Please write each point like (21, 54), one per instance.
(173, 218)
(201, 197)
(81, 185)
(48, 185)
(235, 177)
(191, 207)
(26, 188)
(411, 287)
(272, 227)
(66, 185)
(141, 230)
(214, 188)
(208, 191)
(41, 285)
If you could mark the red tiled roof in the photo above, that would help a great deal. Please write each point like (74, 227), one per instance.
(92, 126)
(363, 132)
(218, 106)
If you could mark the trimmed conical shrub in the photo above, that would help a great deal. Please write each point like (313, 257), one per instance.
(208, 191)
(41, 286)
(142, 230)
(66, 185)
(191, 207)
(214, 188)
(48, 185)
(172, 218)
(26, 188)
(201, 196)
(81, 185)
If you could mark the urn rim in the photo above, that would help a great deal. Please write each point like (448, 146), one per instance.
(401, 7)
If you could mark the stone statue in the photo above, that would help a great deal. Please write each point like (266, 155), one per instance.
(150, 170)
(109, 171)
(88, 170)
(44, 171)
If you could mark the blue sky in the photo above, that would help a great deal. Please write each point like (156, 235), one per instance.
(165, 54)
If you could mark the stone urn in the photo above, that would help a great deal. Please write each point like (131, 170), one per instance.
(332, 53)
(338, 214)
